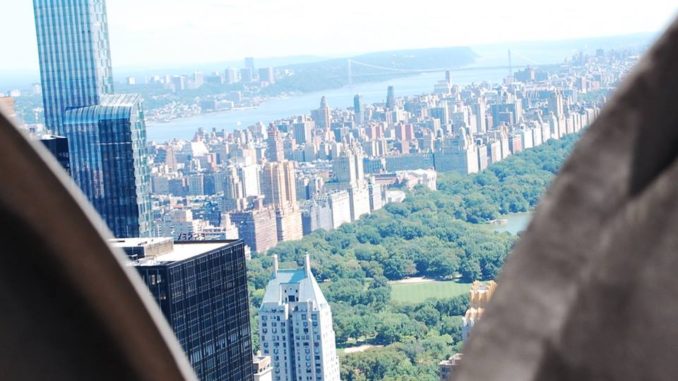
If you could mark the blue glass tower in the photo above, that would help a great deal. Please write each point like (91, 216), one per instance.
(106, 133)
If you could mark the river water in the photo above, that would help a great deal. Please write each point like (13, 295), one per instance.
(284, 107)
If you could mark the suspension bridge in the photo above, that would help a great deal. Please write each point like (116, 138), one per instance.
(394, 70)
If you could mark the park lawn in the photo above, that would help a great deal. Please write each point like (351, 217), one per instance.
(408, 293)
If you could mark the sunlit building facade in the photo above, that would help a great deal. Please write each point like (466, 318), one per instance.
(295, 327)
(106, 133)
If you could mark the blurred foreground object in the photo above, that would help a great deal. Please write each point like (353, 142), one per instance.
(70, 309)
(590, 292)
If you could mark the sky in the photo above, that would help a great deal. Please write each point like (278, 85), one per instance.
(165, 33)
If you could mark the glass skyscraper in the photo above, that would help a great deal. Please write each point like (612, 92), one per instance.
(201, 288)
(106, 133)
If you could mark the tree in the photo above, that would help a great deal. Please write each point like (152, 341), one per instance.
(443, 265)
(428, 315)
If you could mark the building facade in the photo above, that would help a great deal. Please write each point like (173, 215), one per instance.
(479, 297)
(7, 107)
(106, 133)
(447, 368)
(257, 227)
(295, 327)
(201, 288)
(58, 146)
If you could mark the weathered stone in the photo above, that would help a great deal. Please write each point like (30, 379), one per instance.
(590, 291)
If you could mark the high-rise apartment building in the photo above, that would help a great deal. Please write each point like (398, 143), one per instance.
(249, 63)
(275, 150)
(106, 133)
(358, 107)
(257, 227)
(295, 327)
(303, 130)
(278, 183)
(266, 74)
(288, 223)
(201, 288)
(555, 103)
(390, 98)
(322, 116)
(348, 169)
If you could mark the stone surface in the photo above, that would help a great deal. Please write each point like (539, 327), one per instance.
(591, 292)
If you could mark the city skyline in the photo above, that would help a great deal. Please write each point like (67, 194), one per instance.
(178, 39)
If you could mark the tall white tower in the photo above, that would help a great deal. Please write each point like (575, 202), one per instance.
(295, 327)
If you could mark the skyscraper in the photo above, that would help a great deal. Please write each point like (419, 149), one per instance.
(278, 184)
(266, 74)
(295, 327)
(257, 227)
(275, 150)
(358, 108)
(322, 116)
(249, 63)
(348, 168)
(303, 130)
(390, 98)
(106, 133)
(201, 288)
(555, 103)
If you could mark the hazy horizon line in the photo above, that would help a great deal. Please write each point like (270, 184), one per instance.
(310, 58)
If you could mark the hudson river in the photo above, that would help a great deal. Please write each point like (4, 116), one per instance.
(283, 107)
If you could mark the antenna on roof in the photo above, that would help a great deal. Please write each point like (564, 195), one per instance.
(275, 265)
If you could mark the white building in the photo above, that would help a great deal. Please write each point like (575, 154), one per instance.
(360, 201)
(295, 327)
(340, 205)
(178, 223)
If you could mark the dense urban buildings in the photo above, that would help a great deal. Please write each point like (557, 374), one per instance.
(201, 288)
(278, 181)
(295, 327)
(106, 132)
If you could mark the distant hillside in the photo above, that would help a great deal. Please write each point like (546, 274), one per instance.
(333, 73)
(549, 52)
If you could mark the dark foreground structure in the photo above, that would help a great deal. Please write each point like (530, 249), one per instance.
(201, 288)
(590, 292)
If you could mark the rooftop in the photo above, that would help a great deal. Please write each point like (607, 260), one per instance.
(183, 251)
(309, 290)
(171, 252)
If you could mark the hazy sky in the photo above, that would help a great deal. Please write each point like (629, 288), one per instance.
(177, 32)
